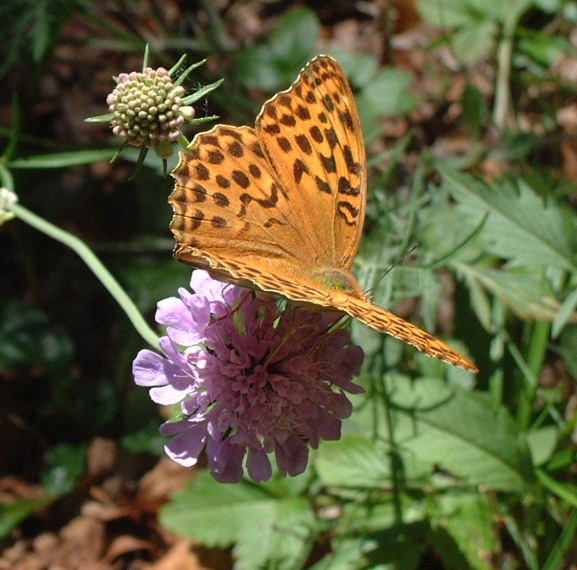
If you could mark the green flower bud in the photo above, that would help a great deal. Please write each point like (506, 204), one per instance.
(146, 107)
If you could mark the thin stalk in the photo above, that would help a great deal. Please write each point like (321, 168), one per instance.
(535, 358)
(97, 267)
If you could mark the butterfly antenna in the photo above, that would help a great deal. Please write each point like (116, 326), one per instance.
(397, 262)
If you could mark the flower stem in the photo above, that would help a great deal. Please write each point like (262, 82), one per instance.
(95, 265)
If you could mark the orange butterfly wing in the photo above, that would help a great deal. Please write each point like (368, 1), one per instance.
(280, 208)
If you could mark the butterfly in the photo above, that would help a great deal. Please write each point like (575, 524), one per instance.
(280, 208)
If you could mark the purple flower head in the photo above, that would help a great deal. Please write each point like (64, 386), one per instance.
(252, 380)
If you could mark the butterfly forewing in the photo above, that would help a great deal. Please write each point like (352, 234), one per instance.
(312, 137)
(226, 199)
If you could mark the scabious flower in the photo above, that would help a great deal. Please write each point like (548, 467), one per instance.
(251, 380)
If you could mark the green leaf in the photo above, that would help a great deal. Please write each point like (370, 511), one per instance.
(388, 92)
(521, 226)
(360, 68)
(275, 63)
(210, 512)
(346, 555)
(265, 529)
(202, 92)
(468, 518)
(27, 337)
(542, 47)
(564, 314)
(472, 26)
(373, 537)
(551, 6)
(463, 434)
(64, 468)
(12, 514)
(520, 289)
(474, 109)
(277, 534)
(353, 461)
(473, 43)
(399, 547)
(564, 545)
(446, 14)
(146, 440)
(567, 493)
(569, 348)
(542, 443)
(40, 32)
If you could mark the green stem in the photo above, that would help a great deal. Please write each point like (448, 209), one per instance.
(563, 545)
(394, 456)
(562, 490)
(95, 264)
(535, 359)
(504, 63)
(502, 89)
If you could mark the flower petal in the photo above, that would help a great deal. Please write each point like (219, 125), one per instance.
(258, 465)
(225, 460)
(185, 447)
(292, 456)
(148, 369)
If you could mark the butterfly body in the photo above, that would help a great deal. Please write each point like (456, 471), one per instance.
(280, 208)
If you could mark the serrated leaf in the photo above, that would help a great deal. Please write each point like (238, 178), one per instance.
(353, 461)
(210, 512)
(276, 535)
(263, 527)
(520, 225)
(463, 434)
(521, 290)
